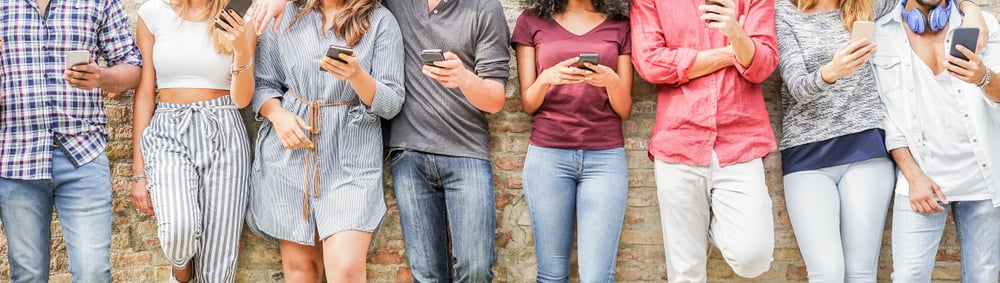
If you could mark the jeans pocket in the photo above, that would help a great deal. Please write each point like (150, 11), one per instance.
(395, 155)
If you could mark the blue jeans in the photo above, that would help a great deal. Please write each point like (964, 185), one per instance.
(435, 194)
(564, 187)
(82, 198)
(915, 239)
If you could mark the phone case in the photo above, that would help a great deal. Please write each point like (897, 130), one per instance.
(967, 37)
(430, 56)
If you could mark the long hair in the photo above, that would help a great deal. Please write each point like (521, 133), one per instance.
(222, 44)
(350, 23)
(850, 10)
(615, 9)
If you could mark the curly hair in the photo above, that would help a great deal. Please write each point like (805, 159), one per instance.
(615, 9)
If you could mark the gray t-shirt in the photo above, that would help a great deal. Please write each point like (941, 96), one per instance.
(436, 119)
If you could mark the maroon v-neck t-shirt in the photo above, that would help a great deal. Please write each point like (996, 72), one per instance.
(574, 116)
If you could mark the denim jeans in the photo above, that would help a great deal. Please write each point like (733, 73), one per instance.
(82, 198)
(915, 239)
(437, 194)
(838, 214)
(586, 188)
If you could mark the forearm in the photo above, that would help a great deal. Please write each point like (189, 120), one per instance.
(620, 96)
(142, 113)
(710, 61)
(119, 78)
(533, 96)
(485, 95)
(743, 48)
(242, 86)
(270, 107)
(907, 165)
(365, 86)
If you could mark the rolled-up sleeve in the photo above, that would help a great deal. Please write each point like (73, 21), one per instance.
(492, 54)
(653, 60)
(387, 70)
(894, 136)
(761, 29)
(268, 74)
(114, 39)
(803, 86)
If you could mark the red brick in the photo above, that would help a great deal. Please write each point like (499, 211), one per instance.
(387, 257)
(403, 275)
(514, 182)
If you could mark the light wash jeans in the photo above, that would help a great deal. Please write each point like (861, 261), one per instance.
(82, 198)
(586, 188)
(838, 215)
(915, 239)
(729, 206)
(437, 194)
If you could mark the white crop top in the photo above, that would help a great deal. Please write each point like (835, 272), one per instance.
(183, 52)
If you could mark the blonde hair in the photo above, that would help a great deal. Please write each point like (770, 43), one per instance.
(222, 44)
(850, 10)
(350, 23)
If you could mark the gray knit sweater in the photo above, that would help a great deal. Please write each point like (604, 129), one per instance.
(813, 109)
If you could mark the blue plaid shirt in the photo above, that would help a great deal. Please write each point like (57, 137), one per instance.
(37, 107)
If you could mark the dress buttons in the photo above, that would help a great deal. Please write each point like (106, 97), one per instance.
(435, 12)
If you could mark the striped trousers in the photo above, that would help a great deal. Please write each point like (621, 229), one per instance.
(197, 161)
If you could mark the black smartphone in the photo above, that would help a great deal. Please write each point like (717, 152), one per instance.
(587, 58)
(967, 37)
(429, 56)
(238, 6)
(334, 53)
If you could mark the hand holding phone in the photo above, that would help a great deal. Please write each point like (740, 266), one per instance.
(429, 56)
(967, 37)
(240, 7)
(591, 58)
(334, 53)
(861, 30)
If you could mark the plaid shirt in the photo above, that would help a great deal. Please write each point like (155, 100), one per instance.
(37, 107)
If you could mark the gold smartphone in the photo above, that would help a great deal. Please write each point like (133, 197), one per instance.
(862, 29)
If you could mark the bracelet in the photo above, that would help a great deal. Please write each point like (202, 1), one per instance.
(237, 71)
(137, 177)
(986, 79)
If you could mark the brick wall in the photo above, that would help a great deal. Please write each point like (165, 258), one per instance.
(137, 258)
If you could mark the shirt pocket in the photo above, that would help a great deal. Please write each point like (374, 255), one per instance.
(888, 74)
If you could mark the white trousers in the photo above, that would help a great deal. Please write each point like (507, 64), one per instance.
(729, 206)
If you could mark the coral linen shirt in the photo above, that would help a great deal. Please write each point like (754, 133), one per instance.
(723, 111)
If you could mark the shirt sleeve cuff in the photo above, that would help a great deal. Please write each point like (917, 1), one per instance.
(263, 95)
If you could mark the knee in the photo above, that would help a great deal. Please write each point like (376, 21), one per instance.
(750, 261)
(828, 271)
(182, 233)
(475, 270)
(302, 270)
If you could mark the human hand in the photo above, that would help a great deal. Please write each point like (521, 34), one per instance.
(972, 71)
(603, 76)
(289, 128)
(924, 195)
(346, 68)
(847, 60)
(84, 76)
(451, 72)
(141, 198)
(564, 72)
(263, 11)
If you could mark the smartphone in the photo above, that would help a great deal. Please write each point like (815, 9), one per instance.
(77, 57)
(429, 56)
(967, 37)
(238, 6)
(587, 58)
(712, 2)
(862, 29)
(334, 53)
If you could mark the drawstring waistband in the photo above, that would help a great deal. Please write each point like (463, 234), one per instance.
(312, 152)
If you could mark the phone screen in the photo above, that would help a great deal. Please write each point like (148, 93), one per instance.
(967, 37)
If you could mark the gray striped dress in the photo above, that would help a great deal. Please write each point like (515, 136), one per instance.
(344, 173)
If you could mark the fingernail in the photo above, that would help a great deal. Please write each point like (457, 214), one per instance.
(340, 55)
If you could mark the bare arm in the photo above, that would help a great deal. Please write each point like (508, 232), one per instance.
(142, 113)
(924, 193)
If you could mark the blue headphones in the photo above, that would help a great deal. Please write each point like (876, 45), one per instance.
(918, 22)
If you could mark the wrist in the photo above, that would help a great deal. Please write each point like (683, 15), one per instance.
(826, 74)
(467, 79)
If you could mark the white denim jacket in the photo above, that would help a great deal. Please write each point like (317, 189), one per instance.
(903, 127)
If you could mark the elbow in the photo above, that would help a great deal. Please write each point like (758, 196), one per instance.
(493, 109)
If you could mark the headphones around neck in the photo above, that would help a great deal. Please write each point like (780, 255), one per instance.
(918, 22)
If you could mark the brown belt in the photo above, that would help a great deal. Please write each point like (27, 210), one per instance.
(312, 152)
